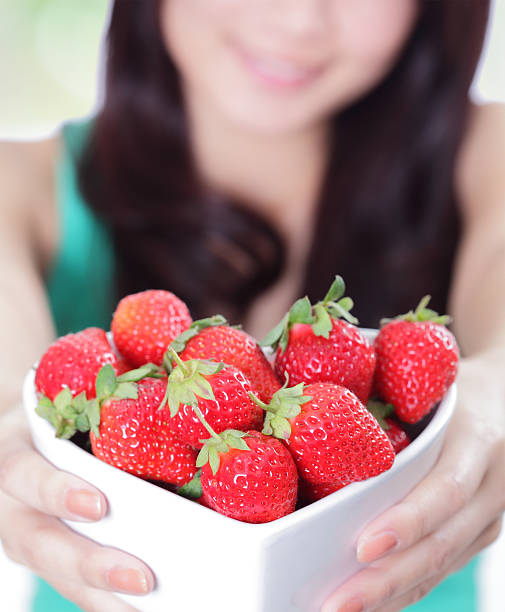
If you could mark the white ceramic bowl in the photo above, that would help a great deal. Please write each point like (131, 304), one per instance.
(205, 561)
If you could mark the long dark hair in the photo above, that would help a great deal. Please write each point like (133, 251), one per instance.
(387, 219)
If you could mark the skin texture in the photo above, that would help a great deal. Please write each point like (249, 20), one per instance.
(455, 511)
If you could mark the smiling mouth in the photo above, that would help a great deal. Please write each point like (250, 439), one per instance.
(276, 72)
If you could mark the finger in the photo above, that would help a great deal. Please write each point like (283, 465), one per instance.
(448, 488)
(49, 547)
(421, 590)
(395, 575)
(29, 478)
(88, 599)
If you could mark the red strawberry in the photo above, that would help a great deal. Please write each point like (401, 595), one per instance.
(417, 361)
(315, 345)
(218, 391)
(135, 437)
(333, 438)
(249, 477)
(310, 492)
(214, 339)
(127, 429)
(382, 412)
(73, 362)
(145, 323)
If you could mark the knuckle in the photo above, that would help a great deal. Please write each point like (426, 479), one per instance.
(417, 525)
(420, 592)
(440, 558)
(9, 462)
(491, 534)
(456, 490)
(35, 545)
(389, 589)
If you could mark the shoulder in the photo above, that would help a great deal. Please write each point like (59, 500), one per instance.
(27, 203)
(480, 168)
(26, 166)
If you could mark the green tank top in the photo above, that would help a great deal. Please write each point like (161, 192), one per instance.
(81, 294)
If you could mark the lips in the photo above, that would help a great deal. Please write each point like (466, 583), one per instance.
(277, 71)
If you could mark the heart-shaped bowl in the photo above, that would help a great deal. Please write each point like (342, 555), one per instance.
(206, 561)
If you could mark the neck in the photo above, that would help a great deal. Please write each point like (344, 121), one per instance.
(278, 175)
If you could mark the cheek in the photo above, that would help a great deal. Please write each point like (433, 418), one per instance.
(190, 29)
(373, 31)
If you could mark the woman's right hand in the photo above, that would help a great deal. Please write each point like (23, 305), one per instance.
(34, 496)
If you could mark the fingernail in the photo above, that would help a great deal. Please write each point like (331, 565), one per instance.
(128, 580)
(377, 546)
(353, 605)
(84, 504)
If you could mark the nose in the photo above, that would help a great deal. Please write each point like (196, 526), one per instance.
(300, 19)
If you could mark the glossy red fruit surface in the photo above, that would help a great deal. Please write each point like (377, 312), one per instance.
(231, 409)
(399, 438)
(135, 437)
(145, 323)
(335, 439)
(235, 347)
(417, 362)
(346, 358)
(309, 492)
(255, 486)
(73, 361)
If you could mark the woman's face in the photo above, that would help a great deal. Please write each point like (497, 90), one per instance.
(282, 65)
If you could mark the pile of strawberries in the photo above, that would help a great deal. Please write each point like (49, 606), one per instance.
(198, 407)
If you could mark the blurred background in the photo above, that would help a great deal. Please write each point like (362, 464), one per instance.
(50, 72)
(49, 66)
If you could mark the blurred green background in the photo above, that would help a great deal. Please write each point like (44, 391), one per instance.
(49, 51)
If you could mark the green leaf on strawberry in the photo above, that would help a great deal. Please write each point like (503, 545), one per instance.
(285, 404)
(187, 382)
(193, 488)
(69, 414)
(381, 411)
(420, 314)
(219, 443)
(319, 316)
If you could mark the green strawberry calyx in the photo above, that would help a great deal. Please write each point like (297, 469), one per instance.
(286, 403)
(179, 343)
(193, 488)
(381, 411)
(188, 381)
(68, 414)
(319, 317)
(219, 443)
(420, 315)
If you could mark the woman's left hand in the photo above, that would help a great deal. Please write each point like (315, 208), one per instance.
(449, 517)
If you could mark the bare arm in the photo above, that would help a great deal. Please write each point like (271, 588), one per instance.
(478, 292)
(27, 328)
(33, 494)
(457, 509)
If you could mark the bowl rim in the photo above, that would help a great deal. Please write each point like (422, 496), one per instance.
(417, 447)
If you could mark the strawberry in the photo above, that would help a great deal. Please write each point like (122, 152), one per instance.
(382, 412)
(214, 339)
(417, 361)
(145, 323)
(333, 438)
(248, 476)
(127, 429)
(73, 362)
(310, 492)
(218, 391)
(315, 345)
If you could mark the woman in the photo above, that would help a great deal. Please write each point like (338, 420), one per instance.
(244, 154)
